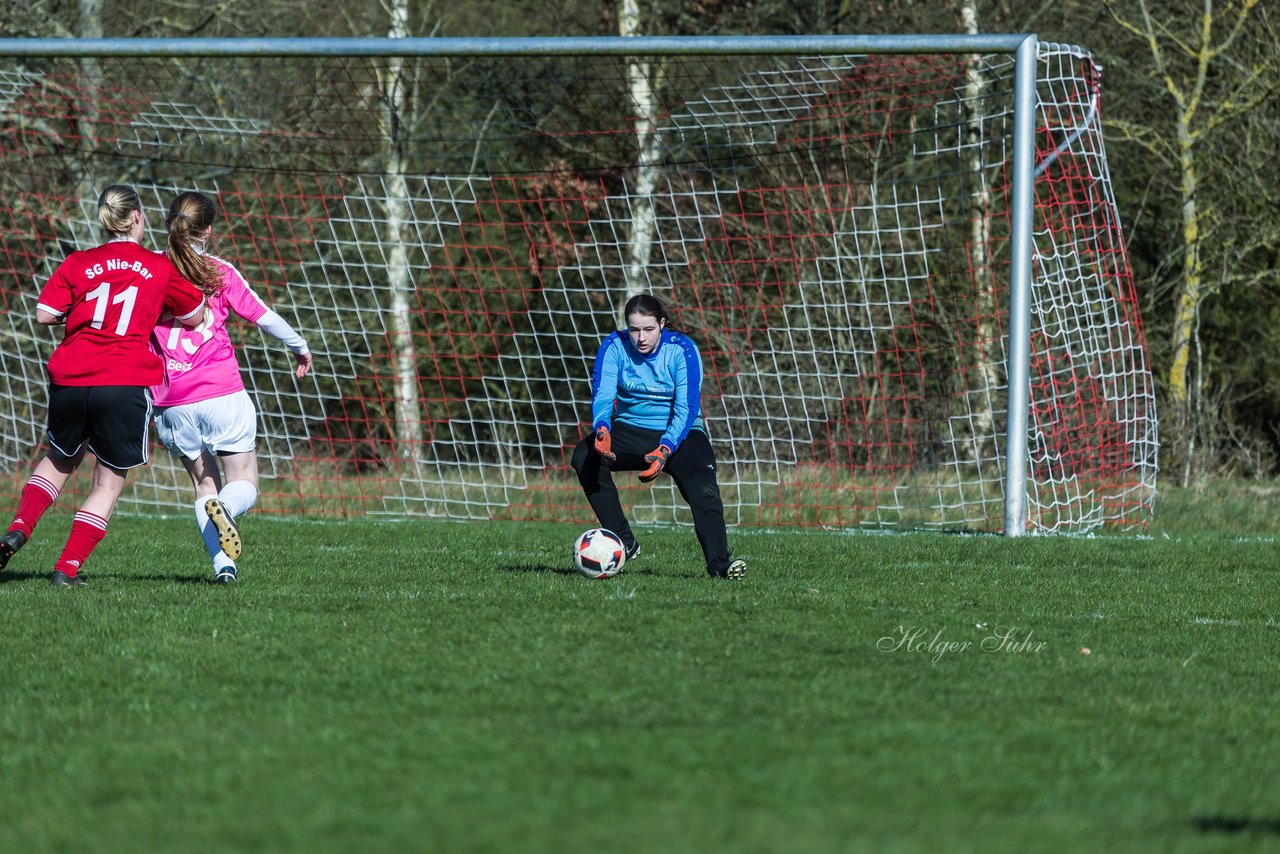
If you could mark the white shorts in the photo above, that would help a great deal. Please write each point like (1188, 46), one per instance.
(227, 424)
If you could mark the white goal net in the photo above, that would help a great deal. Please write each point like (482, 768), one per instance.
(454, 236)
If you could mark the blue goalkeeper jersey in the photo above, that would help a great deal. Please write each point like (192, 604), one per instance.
(662, 391)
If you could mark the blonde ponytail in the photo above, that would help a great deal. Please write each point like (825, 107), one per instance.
(116, 207)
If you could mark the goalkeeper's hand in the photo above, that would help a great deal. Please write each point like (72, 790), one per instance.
(657, 458)
(604, 444)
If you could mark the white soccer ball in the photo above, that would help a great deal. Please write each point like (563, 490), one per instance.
(599, 553)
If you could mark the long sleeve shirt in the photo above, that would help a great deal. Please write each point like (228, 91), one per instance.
(661, 391)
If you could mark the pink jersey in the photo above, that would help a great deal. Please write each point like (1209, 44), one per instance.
(109, 298)
(200, 363)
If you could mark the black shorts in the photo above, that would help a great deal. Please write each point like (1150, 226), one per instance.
(113, 419)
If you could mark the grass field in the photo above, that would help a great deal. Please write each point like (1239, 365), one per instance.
(423, 686)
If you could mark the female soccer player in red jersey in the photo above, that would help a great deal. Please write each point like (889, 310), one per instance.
(110, 298)
(203, 413)
(646, 416)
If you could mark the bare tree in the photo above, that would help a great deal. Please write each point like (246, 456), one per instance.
(1214, 73)
(985, 354)
(643, 78)
(395, 83)
(90, 87)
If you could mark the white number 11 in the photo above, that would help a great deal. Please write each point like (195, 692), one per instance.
(99, 296)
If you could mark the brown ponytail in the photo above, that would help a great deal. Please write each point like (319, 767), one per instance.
(189, 218)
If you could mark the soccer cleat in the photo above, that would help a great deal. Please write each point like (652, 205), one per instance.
(61, 579)
(226, 575)
(228, 530)
(737, 569)
(9, 545)
(633, 550)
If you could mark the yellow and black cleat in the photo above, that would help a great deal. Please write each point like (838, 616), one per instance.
(228, 530)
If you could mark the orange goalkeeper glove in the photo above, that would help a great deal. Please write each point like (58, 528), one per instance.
(604, 444)
(657, 458)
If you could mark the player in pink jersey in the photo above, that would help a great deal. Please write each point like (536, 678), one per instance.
(109, 298)
(204, 415)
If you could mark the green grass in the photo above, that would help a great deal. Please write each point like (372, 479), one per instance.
(429, 686)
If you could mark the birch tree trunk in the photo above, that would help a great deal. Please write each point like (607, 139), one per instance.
(641, 78)
(408, 407)
(90, 86)
(1186, 312)
(985, 354)
(1189, 295)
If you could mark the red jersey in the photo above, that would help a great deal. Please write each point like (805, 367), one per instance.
(112, 296)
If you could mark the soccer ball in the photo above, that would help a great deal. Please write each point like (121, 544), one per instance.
(599, 553)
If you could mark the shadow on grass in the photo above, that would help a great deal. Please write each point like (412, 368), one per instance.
(563, 570)
(174, 579)
(6, 576)
(1237, 825)
(538, 567)
(114, 577)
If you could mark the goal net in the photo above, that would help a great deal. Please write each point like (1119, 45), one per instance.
(454, 236)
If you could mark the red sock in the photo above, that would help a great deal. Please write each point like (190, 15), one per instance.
(86, 532)
(37, 496)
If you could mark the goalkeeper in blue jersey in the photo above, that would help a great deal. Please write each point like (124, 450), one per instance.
(646, 416)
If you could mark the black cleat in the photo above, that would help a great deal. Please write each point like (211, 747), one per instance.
(9, 545)
(226, 575)
(228, 530)
(61, 579)
(633, 550)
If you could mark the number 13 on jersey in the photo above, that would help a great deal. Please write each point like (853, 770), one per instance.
(191, 338)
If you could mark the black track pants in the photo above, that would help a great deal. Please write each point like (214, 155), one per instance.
(692, 467)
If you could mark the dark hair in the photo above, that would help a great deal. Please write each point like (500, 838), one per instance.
(648, 305)
(189, 215)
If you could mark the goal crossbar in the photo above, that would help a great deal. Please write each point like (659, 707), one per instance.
(548, 46)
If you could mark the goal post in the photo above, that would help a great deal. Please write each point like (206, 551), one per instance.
(900, 255)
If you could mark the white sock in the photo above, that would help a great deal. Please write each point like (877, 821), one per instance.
(238, 496)
(209, 534)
